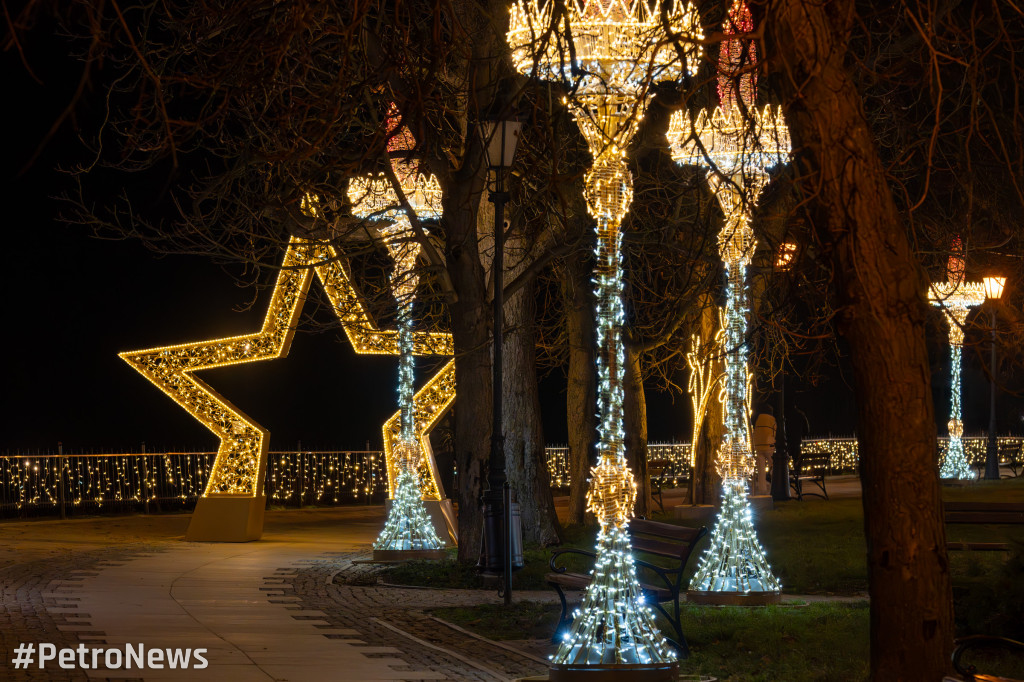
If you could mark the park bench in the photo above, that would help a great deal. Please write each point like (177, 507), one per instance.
(660, 584)
(983, 512)
(970, 673)
(812, 467)
(1011, 454)
(659, 470)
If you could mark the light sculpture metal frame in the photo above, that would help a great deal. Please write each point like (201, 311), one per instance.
(956, 297)
(610, 51)
(232, 502)
(739, 143)
(705, 375)
(408, 530)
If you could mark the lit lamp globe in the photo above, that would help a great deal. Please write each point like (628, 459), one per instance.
(608, 53)
(993, 287)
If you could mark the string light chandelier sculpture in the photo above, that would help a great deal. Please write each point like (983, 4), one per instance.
(738, 143)
(408, 530)
(956, 297)
(611, 51)
(239, 467)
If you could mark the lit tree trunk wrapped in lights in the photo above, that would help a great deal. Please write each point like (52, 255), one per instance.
(408, 530)
(739, 143)
(956, 297)
(613, 49)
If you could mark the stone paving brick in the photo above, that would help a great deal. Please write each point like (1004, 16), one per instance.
(35, 607)
(321, 586)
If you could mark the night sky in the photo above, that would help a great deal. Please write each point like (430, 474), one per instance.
(73, 302)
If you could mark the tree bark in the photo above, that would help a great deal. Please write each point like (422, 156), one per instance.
(581, 393)
(634, 415)
(470, 316)
(525, 460)
(881, 288)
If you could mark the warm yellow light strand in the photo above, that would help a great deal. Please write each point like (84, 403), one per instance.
(241, 457)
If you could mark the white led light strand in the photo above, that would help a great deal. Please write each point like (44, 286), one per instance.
(738, 143)
(956, 297)
(408, 526)
(619, 48)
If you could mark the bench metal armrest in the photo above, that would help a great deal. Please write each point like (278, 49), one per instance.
(661, 572)
(568, 550)
(975, 641)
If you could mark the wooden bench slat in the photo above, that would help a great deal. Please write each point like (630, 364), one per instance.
(666, 530)
(578, 581)
(984, 506)
(658, 548)
(574, 581)
(979, 546)
(985, 517)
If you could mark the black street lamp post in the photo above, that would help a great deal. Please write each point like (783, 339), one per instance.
(499, 139)
(993, 292)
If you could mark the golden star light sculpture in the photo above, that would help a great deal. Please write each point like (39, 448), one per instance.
(608, 52)
(231, 506)
(739, 143)
(956, 297)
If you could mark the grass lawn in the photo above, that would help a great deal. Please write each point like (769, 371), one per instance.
(816, 548)
(819, 641)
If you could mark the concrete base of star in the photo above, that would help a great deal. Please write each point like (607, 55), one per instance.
(227, 518)
(733, 598)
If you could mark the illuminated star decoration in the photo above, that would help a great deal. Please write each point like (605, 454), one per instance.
(739, 143)
(240, 464)
(408, 526)
(619, 49)
(956, 297)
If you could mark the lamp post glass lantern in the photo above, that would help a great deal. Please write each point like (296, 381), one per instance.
(993, 286)
(502, 538)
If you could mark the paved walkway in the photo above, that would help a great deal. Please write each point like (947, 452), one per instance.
(280, 609)
(269, 610)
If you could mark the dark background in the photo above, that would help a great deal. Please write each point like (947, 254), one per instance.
(72, 302)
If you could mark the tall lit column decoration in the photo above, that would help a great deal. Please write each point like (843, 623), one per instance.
(739, 143)
(956, 297)
(612, 52)
(408, 530)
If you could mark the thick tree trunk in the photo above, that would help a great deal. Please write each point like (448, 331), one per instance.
(634, 414)
(470, 317)
(581, 393)
(525, 461)
(881, 287)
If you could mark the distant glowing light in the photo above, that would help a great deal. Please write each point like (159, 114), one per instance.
(956, 297)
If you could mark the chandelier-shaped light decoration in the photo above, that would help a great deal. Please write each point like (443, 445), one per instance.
(956, 297)
(738, 143)
(608, 52)
(408, 527)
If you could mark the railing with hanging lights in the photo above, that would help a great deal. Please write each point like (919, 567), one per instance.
(105, 482)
